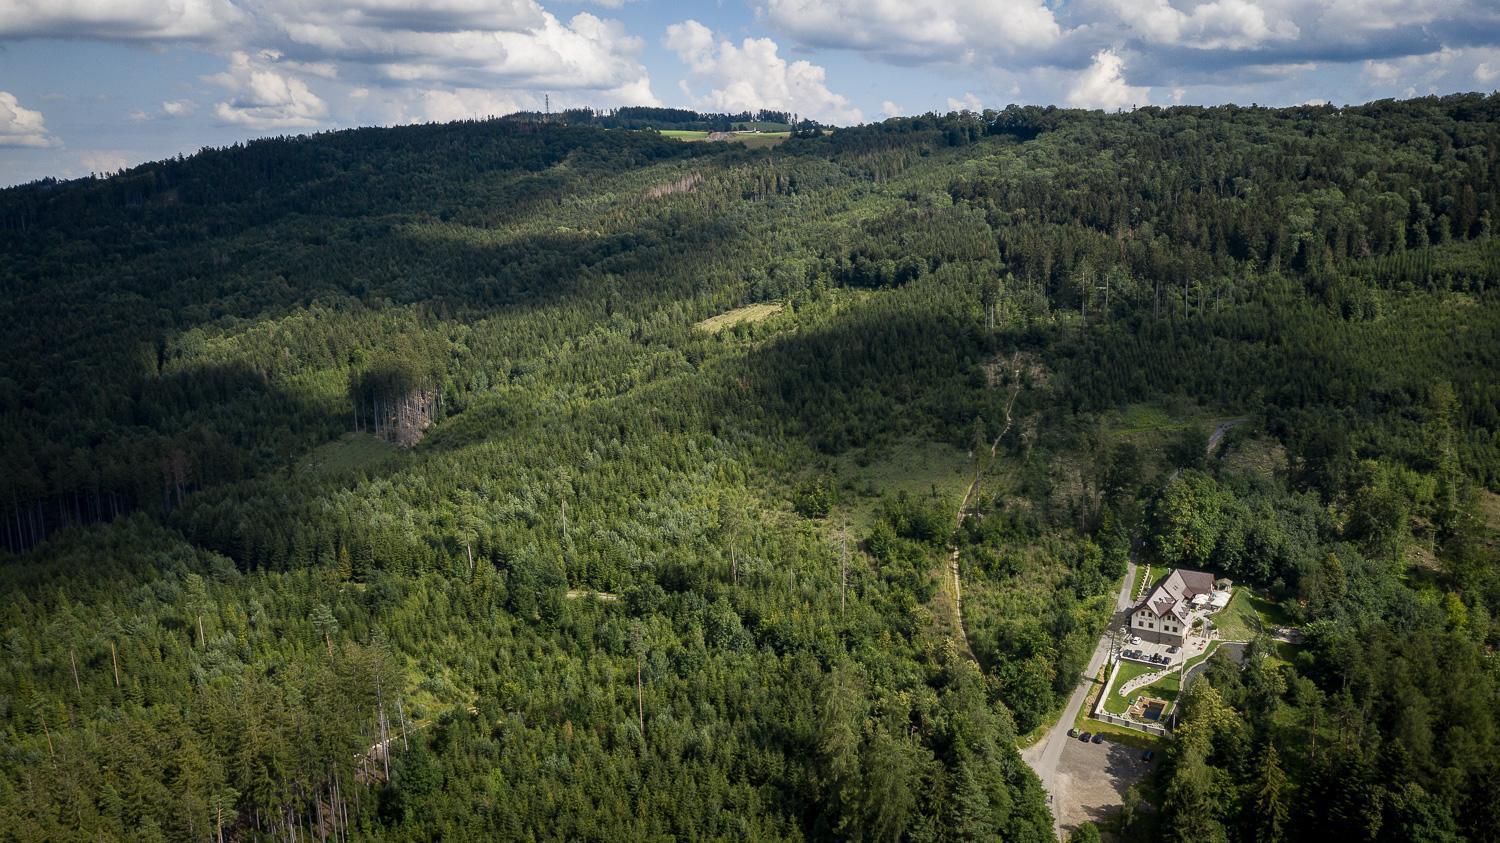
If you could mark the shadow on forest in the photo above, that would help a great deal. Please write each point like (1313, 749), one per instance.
(176, 434)
(874, 374)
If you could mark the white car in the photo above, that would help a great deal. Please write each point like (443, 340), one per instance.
(1135, 639)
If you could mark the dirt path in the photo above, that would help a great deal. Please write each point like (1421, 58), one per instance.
(968, 501)
(1218, 434)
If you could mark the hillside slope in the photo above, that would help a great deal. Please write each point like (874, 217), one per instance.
(319, 444)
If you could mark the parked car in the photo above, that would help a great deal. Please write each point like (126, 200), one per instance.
(1174, 649)
(1148, 755)
(1085, 736)
(1072, 733)
(1135, 639)
(1098, 737)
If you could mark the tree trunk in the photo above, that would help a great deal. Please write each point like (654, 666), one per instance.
(73, 660)
(640, 702)
(48, 733)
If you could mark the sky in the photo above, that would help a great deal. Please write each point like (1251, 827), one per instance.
(91, 86)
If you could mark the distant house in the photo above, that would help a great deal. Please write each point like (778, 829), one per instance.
(1166, 615)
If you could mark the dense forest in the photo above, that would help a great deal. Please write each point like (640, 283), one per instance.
(557, 479)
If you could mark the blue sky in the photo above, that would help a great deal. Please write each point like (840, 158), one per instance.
(95, 85)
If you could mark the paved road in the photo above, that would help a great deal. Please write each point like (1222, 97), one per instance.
(1045, 754)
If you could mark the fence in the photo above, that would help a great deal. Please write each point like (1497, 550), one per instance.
(1149, 728)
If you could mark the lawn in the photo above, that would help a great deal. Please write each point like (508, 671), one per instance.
(1119, 734)
(1246, 614)
(684, 134)
(1116, 704)
(1156, 573)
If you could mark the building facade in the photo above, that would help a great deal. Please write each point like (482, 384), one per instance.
(1166, 615)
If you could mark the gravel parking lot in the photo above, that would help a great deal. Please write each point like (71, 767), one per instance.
(1092, 778)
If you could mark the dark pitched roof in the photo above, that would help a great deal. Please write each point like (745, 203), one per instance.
(1175, 593)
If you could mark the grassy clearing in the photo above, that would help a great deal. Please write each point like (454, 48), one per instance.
(754, 140)
(917, 468)
(1153, 427)
(761, 140)
(748, 314)
(350, 452)
(1489, 509)
(1261, 457)
(1141, 418)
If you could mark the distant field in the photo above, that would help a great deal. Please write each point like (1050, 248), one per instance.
(748, 125)
(753, 140)
(739, 316)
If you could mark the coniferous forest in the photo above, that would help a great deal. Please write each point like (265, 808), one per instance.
(564, 480)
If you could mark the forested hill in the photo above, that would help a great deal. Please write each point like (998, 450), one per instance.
(608, 480)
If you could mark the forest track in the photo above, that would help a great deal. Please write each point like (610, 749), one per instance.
(963, 508)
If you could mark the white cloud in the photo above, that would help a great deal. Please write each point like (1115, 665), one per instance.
(464, 43)
(1381, 72)
(1412, 75)
(932, 31)
(891, 109)
(753, 75)
(441, 106)
(1102, 85)
(968, 103)
(103, 162)
(21, 126)
(169, 109)
(1217, 25)
(278, 51)
(264, 98)
(1229, 46)
(118, 20)
(1485, 73)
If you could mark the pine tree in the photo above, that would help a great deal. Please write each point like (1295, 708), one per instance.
(1270, 807)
